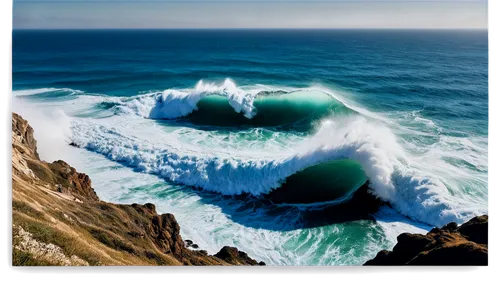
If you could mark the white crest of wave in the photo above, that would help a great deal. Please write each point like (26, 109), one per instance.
(414, 194)
(173, 103)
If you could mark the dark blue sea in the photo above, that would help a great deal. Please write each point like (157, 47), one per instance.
(207, 124)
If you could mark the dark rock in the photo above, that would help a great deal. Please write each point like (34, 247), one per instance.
(476, 229)
(233, 256)
(445, 237)
(383, 257)
(166, 233)
(150, 207)
(467, 253)
(435, 230)
(408, 246)
(449, 245)
(451, 226)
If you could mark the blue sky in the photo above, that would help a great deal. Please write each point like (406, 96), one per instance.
(374, 14)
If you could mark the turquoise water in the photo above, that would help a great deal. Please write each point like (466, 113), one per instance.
(205, 124)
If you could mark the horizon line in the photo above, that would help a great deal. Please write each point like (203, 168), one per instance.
(291, 29)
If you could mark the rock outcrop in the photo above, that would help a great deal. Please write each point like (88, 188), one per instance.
(233, 256)
(22, 136)
(68, 180)
(450, 245)
(58, 219)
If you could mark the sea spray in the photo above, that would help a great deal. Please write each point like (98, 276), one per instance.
(415, 195)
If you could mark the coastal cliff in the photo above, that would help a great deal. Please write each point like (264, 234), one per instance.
(58, 219)
(466, 244)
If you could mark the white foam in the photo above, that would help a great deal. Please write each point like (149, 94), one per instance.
(27, 92)
(428, 184)
(416, 195)
(173, 103)
(393, 224)
(426, 187)
(211, 221)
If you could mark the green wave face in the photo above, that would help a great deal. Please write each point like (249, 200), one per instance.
(296, 110)
(332, 181)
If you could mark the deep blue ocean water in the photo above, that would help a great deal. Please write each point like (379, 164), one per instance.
(150, 110)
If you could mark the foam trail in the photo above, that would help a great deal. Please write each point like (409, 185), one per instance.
(28, 92)
(413, 194)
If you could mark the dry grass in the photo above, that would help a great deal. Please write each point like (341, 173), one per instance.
(112, 241)
(26, 209)
(74, 225)
(23, 258)
(99, 233)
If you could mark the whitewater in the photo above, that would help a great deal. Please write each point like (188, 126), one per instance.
(362, 136)
(213, 126)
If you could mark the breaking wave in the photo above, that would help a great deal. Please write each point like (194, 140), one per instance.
(372, 146)
(229, 105)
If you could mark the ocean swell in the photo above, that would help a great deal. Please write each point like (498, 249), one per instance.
(229, 105)
(412, 193)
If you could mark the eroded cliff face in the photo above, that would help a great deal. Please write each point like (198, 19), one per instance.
(58, 219)
(450, 245)
(22, 137)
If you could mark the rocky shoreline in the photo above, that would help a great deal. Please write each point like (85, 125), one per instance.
(58, 219)
(465, 245)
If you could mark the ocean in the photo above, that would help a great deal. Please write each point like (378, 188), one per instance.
(206, 124)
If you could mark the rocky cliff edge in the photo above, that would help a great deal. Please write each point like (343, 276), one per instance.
(58, 219)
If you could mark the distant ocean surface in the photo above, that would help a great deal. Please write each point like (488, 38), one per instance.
(185, 119)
